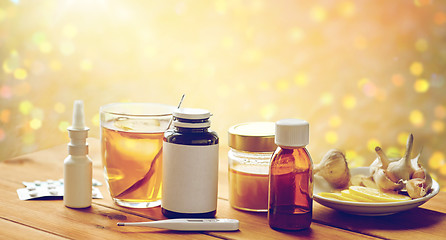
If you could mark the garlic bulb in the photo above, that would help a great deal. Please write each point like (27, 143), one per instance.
(402, 169)
(334, 169)
(384, 183)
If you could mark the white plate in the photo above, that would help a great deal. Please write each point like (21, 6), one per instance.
(366, 208)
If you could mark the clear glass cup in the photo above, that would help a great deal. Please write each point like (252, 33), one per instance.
(131, 146)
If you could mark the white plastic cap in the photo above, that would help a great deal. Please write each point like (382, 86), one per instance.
(292, 133)
(192, 114)
(78, 115)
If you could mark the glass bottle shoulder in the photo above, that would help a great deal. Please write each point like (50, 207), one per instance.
(204, 137)
(293, 157)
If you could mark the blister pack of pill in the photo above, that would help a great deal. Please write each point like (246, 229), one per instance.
(50, 189)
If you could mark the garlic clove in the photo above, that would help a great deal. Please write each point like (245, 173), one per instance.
(417, 187)
(382, 161)
(402, 169)
(384, 183)
(423, 174)
(334, 169)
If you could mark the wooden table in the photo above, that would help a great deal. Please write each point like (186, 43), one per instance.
(50, 219)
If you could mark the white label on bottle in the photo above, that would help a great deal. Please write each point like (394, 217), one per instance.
(190, 178)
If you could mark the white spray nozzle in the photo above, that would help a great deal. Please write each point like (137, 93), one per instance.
(78, 115)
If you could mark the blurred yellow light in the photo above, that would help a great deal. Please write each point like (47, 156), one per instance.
(69, 31)
(443, 170)
(59, 107)
(331, 137)
(318, 14)
(264, 85)
(436, 160)
(268, 111)
(228, 42)
(252, 55)
(224, 90)
(393, 152)
(5, 115)
(37, 113)
(421, 85)
(416, 117)
(25, 107)
(335, 121)
(349, 102)
(440, 112)
(420, 3)
(45, 47)
(35, 123)
(416, 68)
(360, 42)
(350, 154)
(95, 120)
(301, 79)
(402, 138)
(55, 65)
(346, 9)
(20, 74)
(296, 34)
(438, 126)
(63, 125)
(67, 48)
(2, 14)
(28, 138)
(86, 65)
(220, 6)
(421, 45)
(397, 80)
(282, 85)
(372, 144)
(326, 98)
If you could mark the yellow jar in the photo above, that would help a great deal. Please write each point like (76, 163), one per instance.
(252, 145)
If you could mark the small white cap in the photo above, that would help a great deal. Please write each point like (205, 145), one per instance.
(191, 113)
(292, 133)
(199, 118)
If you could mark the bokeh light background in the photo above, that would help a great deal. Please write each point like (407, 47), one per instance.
(363, 73)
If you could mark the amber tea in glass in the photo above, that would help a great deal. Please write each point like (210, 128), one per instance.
(131, 144)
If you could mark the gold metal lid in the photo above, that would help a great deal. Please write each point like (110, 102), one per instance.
(252, 137)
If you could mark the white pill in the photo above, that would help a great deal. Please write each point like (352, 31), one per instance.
(32, 193)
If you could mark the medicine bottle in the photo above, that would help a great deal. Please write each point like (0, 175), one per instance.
(190, 166)
(291, 177)
(251, 147)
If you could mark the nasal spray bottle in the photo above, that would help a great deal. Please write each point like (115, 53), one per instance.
(78, 166)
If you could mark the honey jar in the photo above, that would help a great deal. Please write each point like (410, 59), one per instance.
(251, 147)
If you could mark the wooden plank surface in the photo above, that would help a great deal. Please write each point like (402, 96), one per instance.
(50, 219)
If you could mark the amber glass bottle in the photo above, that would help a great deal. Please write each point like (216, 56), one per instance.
(290, 205)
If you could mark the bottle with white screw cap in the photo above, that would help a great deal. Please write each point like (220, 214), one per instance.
(290, 204)
(78, 165)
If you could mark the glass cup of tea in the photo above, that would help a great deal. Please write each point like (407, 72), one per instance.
(131, 146)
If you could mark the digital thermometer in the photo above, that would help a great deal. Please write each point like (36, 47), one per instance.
(208, 224)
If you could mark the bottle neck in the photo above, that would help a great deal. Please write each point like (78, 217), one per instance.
(191, 130)
(291, 147)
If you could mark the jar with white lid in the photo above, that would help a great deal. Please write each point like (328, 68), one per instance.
(251, 147)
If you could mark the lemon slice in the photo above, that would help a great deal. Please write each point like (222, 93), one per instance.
(347, 193)
(376, 195)
(336, 196)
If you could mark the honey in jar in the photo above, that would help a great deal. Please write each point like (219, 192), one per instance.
(252, 145)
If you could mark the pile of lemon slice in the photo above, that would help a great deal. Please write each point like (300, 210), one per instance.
(364, 194)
